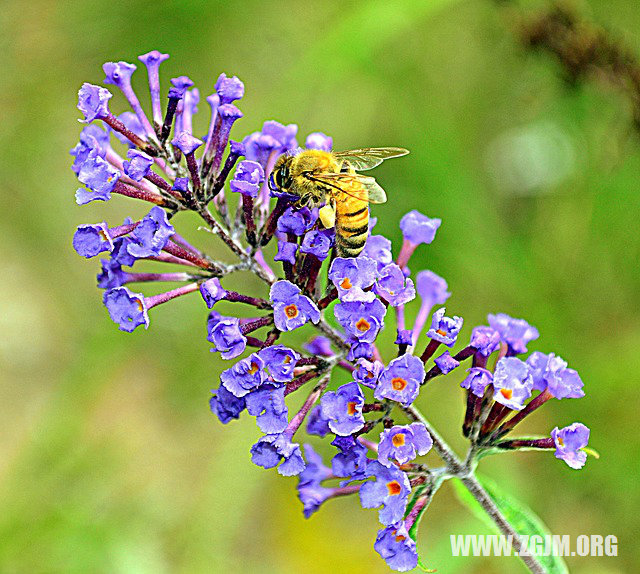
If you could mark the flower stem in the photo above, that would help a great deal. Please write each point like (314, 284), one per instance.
(313, 397)
(507, 426)
(463, 472)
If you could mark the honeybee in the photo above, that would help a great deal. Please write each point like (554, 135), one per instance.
(318, 178)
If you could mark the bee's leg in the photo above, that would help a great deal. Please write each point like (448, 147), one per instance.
(327, 214)
(303, 201)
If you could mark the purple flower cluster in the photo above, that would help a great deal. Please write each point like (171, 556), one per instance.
(158, 160)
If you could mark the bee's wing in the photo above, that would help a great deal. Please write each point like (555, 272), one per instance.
(368, 158)
(361, 187)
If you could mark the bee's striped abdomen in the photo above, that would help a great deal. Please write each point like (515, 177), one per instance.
(352, 224)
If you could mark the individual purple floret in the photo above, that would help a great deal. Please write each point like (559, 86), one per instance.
(404, 338)
(132, 123)
(119, 74)
(477, 380)
(512, 383)
(186, 143)
(291, 309)
(99, 177)
(343, 408)
(318, 140)
(286, 252)
(396, 547)
(225, 405)
(127, 309)
(351, 276)
(284, 135)
(351, 462)
(280, 361)
(212, 291)
(120, 253)
(485, 340)
(361, 320)
(401, 380)
(151, 235)
(551, 372)
(433, 291)
(213, 319)
(152, 61)
(138, 166)
(367, 372)
(569, 443)
(273, 448)
(316, 243)
(418, 228)
(229, 89)
(261, 148)
(310, 490)
(227, 338)
(320, 346)
(92, 138)
(394, 287)
(297, 222)
(245, 376)
(93, 102)
(317, 423)
(266, 145)
(189, 109)
(111, 274)
(378, 248)
(403, 443)
(445, 329)
(89, 240)
(179, 86)
(446, 363)
(228, 114)
(248, 178)
(432, 288)
(516, 333)
(360, 350)
(268, 406)
(181, 184)
(390, 490)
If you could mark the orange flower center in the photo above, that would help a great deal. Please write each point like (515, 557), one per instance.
(398, 383)
(394, 488)
(287, 360)
(441, 332)
(346, 283)
(351, 408)
(560, 441)
(254, 369)
(398, 439)
(139, 304)
(103, 235)
(506, 393)
(291, 311)
(400, 538)
(363, 325)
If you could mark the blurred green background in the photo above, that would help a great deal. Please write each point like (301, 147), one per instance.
(110, 460)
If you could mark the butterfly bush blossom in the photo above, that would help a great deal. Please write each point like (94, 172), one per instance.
(360, 394)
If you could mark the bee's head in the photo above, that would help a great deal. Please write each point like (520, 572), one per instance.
(280, 178)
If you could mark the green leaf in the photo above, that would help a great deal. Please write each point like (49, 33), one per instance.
(518, 514)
